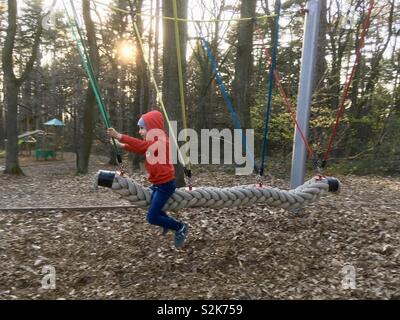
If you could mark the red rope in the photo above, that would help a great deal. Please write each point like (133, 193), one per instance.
(349, 81)
(292, 114)
(286, 100)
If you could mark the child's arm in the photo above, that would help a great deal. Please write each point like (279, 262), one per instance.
(129, 143)
(135, 145)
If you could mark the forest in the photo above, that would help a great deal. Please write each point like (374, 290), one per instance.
(43, 78)
(73, 69)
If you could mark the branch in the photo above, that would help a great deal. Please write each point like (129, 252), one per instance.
(35, 47)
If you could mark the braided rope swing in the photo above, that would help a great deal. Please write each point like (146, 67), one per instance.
(212, 197)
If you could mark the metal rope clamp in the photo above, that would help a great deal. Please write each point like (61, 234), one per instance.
(188, 174)
(259, 181)
(122, 168)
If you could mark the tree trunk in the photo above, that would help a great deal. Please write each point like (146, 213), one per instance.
(363, 104)
(170, 67)
(112, 100)
(141, 100)
(89, 105)
(320, 66)
(13, 85)
(339, 39)
(244, 63)
(11, 100)
(2, 124)
(156, 46)
(207, 106)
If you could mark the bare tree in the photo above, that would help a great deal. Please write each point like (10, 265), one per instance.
(13, 84)
(89, 105)
(170, 65)
(141, 100)
(244, 63)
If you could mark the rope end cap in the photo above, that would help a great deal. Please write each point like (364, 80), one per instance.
(334, 184)
(105, 178)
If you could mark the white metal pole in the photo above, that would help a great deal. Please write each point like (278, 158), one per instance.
(306, 86)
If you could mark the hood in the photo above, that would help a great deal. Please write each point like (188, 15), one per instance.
(154, 120)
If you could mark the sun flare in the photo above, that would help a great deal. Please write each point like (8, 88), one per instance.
(126, 51)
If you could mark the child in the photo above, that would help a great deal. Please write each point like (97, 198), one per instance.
(161, 172)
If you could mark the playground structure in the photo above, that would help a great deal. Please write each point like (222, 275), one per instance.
(300, 194)
(46, 148)
(51, 141)
(46, 143)
(301, 118)
(27, 141)
(42, 142)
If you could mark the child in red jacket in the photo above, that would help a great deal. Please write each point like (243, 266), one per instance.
(161, 172)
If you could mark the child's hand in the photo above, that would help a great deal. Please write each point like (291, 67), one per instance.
(119, 144)
(113, 133)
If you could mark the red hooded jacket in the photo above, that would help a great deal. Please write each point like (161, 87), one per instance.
(156, 147)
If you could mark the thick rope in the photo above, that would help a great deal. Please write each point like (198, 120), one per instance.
(213, 197)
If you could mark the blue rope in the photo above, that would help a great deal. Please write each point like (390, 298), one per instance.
(271, 84)
(225, 94)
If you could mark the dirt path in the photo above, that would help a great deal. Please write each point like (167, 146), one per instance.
(246, 253)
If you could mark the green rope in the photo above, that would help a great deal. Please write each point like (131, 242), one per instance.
(83, 53)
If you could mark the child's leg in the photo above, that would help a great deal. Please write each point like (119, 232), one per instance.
(154, 188)
(161, 194)
(163, 213)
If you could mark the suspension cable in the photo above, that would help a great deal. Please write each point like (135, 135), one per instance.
(287, 102)
(271, 85)
(187, 169)
(114, 8)
(158, 93)
(225, 94)
(85, 58)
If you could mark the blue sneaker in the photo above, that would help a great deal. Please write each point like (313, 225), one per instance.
(180, 236)
(165, 231)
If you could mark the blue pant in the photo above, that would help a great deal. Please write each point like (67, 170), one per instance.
(155, 215)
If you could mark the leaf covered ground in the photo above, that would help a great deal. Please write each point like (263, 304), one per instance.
(254, 252)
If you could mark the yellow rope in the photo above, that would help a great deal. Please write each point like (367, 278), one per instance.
(181, 19)
(159, 96)
(180, 76)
